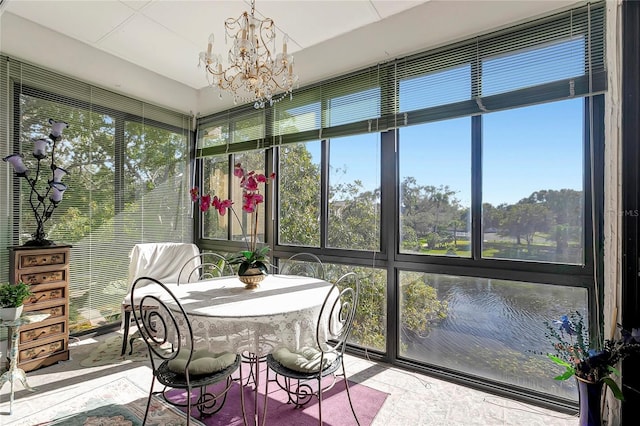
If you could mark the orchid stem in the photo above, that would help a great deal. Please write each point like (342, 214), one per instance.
(241, 227)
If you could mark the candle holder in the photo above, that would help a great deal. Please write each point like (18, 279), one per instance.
(45, 199)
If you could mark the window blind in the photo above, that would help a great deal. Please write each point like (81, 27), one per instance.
(128, 181)
(551, 58)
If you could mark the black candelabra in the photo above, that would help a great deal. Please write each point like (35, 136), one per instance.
(45, 199)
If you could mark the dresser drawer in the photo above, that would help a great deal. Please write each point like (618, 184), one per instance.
(43, 332)
(43, 350)
(35, 278)
(29, 260)
(57, 311)
(41, 295)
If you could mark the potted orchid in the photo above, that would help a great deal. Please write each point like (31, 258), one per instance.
(253, 262)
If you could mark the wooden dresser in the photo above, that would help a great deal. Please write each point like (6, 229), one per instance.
(46, 269)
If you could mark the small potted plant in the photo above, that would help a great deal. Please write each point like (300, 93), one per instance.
(12, 298)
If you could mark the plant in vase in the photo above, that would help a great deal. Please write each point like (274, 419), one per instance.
(12, 298)
(592, 368)
(254, 261)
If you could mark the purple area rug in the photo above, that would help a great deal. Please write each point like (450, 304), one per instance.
(335, 406)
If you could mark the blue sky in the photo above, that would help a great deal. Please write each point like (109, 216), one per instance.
(525, 150)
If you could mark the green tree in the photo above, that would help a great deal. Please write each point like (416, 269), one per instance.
(566, 208)
(299, 209)
(523, 220)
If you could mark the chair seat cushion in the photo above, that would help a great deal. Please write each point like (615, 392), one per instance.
(202, 362)
(306, 360)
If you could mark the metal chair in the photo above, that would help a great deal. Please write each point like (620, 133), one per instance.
(303, 264)
(161, 261)
(161, 319)
(297, 370)
(204, 266)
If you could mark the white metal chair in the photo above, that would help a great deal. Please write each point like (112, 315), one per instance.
(162, 261)
(303, 264)
(204, 266)
(161, 319)
(300, 372)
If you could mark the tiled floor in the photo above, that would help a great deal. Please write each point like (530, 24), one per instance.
(413, 399)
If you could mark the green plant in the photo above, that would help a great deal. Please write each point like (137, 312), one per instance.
(14, 295)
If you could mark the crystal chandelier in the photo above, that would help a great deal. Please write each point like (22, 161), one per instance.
(255, 73)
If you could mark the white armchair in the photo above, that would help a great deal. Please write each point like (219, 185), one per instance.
(162, 261)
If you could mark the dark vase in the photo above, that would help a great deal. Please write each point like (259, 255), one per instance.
(589, 397)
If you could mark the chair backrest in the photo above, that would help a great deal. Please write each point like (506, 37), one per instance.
(161, 261)
(336, 316)
(204, 266)
(162, 322)
(303, 264)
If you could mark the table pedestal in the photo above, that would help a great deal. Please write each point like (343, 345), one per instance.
(14, 373)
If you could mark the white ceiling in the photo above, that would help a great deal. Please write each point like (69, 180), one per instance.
(149, 48)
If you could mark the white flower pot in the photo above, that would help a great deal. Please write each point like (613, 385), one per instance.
(11, 314)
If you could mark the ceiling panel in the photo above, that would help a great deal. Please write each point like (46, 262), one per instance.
(326, 19)
(160, 45)
(87, 21)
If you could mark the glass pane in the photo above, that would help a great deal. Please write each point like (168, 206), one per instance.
(215, 178)
(353, 107)
(296, 116)
(354, 192)
(435, 188)
(240, 224)
(299, 185)
(486, 328)
(533, 199)
(213, 135)
(370, 323)
(531, 67)
(436, 88)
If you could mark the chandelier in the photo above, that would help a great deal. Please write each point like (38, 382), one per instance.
(255, 73)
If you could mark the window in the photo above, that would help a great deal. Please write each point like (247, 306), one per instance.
(485, 327)
(533, 202)
(127, 181)
(215, 177)
(435, 188)
(354, 193)
(299, 194)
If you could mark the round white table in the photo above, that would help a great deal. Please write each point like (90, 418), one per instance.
(283, 311)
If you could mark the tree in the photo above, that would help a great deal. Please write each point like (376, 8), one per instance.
(424, 209)
(523, 220)
(566, 207)
(299, 198)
